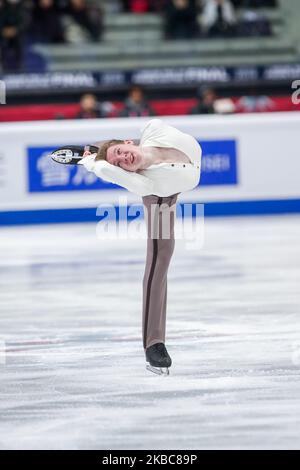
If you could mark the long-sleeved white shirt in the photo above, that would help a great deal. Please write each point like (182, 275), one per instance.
(163, 179)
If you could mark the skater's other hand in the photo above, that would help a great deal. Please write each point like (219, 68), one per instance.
(88, 160)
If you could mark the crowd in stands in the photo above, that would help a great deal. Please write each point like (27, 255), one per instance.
(143, 6)
(207, 101)
(23, 22)
(253, 101)
(186, 19)
(135, 105)
(48, 25)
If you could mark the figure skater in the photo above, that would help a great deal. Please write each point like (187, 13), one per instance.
(164, 163)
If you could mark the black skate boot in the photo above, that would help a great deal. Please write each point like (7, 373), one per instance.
(158, 359)
(71, 154)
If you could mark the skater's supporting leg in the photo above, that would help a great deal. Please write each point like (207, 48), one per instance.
(158, 359)
(160, 247)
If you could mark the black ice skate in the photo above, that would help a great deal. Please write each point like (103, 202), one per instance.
(158, 359)
(71, 154)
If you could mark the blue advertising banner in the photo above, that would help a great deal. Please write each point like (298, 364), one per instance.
(219, 162)
(219, 167)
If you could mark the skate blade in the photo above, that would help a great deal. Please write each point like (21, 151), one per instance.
(158, 370)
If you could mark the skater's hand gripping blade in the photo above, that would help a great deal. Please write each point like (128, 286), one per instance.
(158, 370)
(71, 154)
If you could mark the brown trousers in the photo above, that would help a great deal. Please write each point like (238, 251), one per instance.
(160, 213)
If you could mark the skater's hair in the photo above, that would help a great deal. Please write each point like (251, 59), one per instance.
(102, 152)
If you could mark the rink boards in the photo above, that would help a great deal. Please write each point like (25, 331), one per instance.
(250, 165)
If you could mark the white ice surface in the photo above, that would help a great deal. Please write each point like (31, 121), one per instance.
(70, 317)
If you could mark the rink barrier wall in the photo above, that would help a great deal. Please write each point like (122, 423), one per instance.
(250, 165)
(212, 209)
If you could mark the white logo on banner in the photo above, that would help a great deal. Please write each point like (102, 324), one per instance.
(215, 163)
(51, 173)
(83, 176)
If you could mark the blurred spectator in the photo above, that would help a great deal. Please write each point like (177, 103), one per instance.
(142, 6)
(209, 103)
(89, 18)
(136, 6)
(206, 101)
(12, 27)
(254, 103)
(125, 5)
(254, 23)
(46, 25)
(181, 19)
(136, 104)
(224, 106)
(218, 18)
(89, 108)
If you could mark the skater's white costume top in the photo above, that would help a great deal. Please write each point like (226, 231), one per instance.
(163, 179)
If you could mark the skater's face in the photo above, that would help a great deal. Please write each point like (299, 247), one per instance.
(127, 156)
